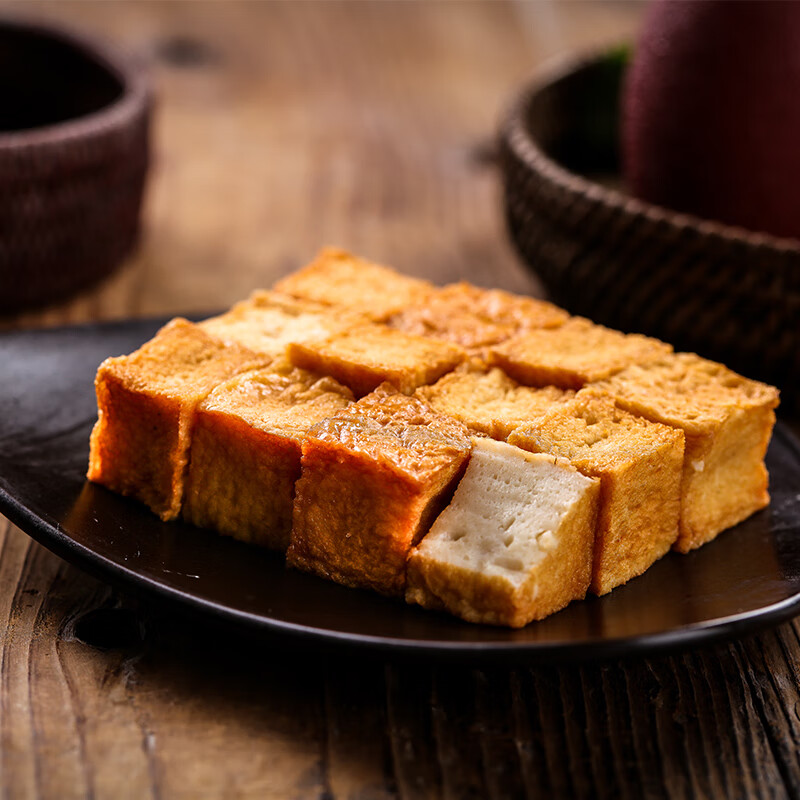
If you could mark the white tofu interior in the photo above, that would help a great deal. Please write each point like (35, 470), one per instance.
(506, 512)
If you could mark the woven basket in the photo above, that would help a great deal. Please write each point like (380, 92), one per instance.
(729, 294)
(73, 158)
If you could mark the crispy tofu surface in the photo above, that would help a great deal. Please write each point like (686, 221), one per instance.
(364, 357)
(639, 464)
(268, 322)
(573, 354)
(727, 420)
(146, 404)
(373, 478)
(246, 446)
(487, 401)
(474, 318)
(336, 277)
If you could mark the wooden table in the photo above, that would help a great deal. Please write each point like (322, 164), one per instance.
(281, 127)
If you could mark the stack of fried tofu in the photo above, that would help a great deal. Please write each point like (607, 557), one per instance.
(468, 449)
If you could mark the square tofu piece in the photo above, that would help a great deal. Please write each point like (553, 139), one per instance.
(728, 422)
(515, 544)
(245, 455)
(575, 353)
(268, 322)
(336, 277)
(146, 403)
(374, 476)
(474, 318)
(639, 464)
(487, 401)
(364, 357)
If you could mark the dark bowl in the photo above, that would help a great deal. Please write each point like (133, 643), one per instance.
(729, 294)
(73, 157)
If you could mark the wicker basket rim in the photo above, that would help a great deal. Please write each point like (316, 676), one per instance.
(522, 143)
(135, 95)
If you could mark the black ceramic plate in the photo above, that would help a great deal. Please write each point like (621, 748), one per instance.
(748, 578)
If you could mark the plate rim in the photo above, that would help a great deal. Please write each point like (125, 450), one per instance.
(63, 546)
(58, 541)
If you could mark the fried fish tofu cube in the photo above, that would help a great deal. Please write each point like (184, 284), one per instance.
(374, 477)
(336, 277)
(639, 464)
(146, 403)
(487, 401)
(245, 453)
(268, 321)
(573, 354)
(727, 420)
(515, 543)
(474, 318)
(366, 356)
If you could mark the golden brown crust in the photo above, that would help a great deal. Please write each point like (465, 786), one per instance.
(336, 277)
(365, 357)
(687, 391)
(138, 444)
(269, 321)
(639, 464)
(473, 318)
(373, 476)
(727, 420)
(487, 401)
(245, 453)
(241, 480)
(573, 354)
(146, 403)
(281, 398)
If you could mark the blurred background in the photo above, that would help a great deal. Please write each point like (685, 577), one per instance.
(280, 127)
(283, 126)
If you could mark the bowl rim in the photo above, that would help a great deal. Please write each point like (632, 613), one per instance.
(135, 96)
(525, 147)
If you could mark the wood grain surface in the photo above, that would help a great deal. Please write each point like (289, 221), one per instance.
(281, 127)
